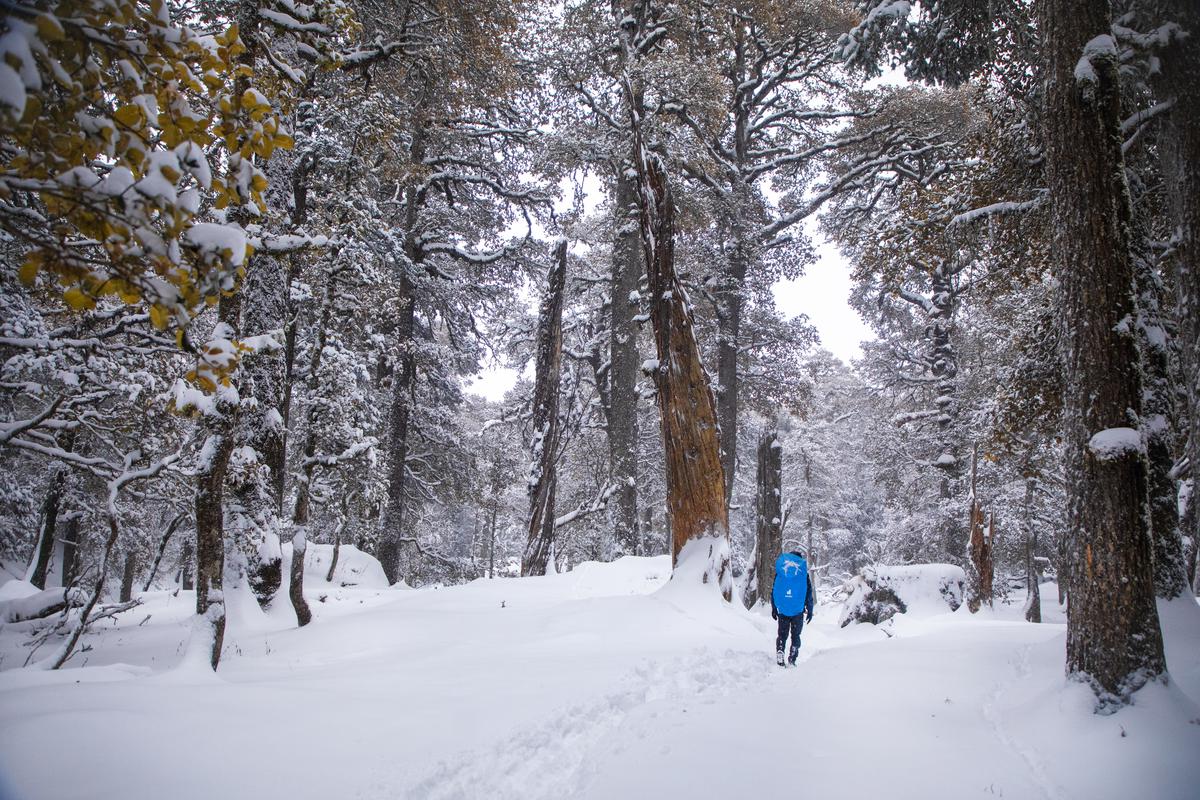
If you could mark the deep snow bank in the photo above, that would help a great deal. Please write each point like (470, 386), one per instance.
(920, 589)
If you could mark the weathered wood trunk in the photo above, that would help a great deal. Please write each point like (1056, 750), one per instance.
(696, 493)
(979, 578)
(1033, 575)
(624, 366)
(544, 447)
(978, 546)
(1113, 636)
(1179, 148)
(768, 517)
(47, 530)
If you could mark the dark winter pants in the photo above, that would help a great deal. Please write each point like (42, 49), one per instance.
(792, 624)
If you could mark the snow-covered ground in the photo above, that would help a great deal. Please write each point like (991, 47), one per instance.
(605, 682)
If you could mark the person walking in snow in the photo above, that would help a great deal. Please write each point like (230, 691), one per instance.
(791, 602)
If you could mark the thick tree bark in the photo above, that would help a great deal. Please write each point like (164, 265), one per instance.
(1179, 147)
(46, 532)
(1113, 637)
(687, 411)
(624, 366)
(768, 516)
(544, 448)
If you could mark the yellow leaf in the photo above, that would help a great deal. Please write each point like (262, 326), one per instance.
(158, 318)
(77, 300)
(28, 272)
(130, 116)
(49, 28)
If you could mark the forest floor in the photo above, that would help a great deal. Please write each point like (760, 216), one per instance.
(604, 682)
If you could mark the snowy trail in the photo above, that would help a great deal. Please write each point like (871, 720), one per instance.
(589, 685)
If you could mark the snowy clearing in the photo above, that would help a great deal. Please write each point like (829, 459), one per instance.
(597, 683)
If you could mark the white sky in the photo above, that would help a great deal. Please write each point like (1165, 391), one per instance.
(823, 293)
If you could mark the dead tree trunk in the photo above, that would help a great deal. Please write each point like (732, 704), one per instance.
(544, 447)
(768, 516)
(687, 411)
(1114, 641)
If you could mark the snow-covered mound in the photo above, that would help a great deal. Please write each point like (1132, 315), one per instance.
(354, 568)
(916, 589)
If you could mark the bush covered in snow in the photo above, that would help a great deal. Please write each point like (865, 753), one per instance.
(880, 592)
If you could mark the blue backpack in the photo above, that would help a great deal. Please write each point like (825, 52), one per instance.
(791, 584)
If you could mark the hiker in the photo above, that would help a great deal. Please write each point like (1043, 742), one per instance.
(791, 602)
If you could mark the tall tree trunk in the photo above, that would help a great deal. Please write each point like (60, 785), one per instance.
(687, 411)
(1179, 148)
(544, 448)
(405, 373)
(219, 428)
(624, 365)
(300, 512)
(730, 303)
(1113, 637)
(402, 388)
(768, 516)
(253, 508)
(1170, 576)
(46, 531)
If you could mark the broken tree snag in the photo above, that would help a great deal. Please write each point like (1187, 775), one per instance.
(542, 477)
(687, 410)
(768, 514)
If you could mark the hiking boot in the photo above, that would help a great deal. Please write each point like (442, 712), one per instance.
(792, 657)
(779, 657)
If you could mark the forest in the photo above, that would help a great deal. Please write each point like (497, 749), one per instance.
(257, 256)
